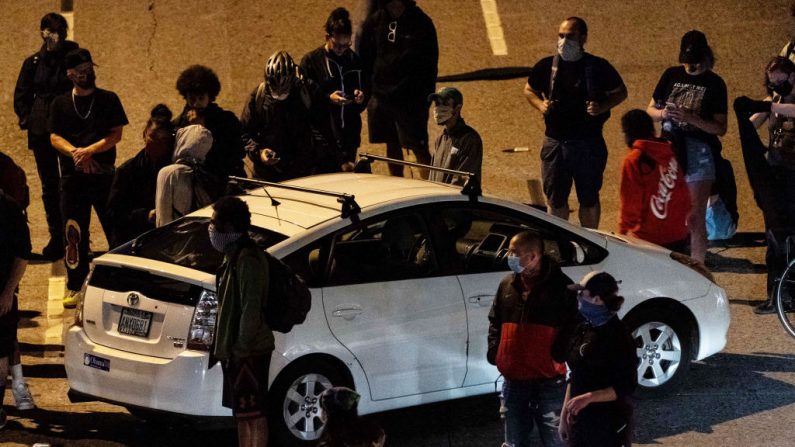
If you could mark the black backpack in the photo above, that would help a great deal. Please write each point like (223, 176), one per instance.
(289, 300)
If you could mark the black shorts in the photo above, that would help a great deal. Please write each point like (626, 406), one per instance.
(246, 386)
(388, 123)
(579, 161)
(8, 330)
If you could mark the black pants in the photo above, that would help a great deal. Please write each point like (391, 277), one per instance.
(79, 193)
(47, 166)
(774, 193)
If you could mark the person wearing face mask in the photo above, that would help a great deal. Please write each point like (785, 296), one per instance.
(41, 79)
(574, 91)
(459, 146)
(771, 168)
(199, 86)
(337, 70)
(691, 102)
(530, 321)
(400, 54)
(279, 122)
(85, 125)
(601, 356)
(131, 201)
(243, 340)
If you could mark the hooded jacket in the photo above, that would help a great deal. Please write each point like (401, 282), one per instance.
(655, 201)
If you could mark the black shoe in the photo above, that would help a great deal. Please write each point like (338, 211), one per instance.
(54, 250)
(766, 308)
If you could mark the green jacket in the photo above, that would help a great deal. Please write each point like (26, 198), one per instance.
(241, 330)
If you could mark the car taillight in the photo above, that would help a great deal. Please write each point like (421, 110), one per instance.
(693, 264)
(202, 327)
(81, 297)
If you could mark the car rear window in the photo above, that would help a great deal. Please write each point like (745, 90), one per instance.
(186, 243)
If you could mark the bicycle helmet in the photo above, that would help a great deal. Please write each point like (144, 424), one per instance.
(280, 72)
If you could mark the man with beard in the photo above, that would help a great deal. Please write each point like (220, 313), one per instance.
(85, 126)
(199, 85)
(575, 91)
(41, 79)
(459, 147)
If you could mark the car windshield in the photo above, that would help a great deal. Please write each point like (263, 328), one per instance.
(186, 243)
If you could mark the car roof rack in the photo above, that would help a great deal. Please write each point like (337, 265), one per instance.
(348, 201)
(471, 187)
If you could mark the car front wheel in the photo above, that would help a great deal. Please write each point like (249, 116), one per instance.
(296, 416)
(663, 345)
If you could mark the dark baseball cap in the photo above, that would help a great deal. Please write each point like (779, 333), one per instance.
(446, 93)
(597, 283)
(694, 47)
(77, 57)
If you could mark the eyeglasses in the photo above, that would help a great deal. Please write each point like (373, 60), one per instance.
(344, 45)
(392, 34)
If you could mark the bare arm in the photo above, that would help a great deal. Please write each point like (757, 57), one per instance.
(574, 405)
(61, 145)
(536, 99)
(656, 114)
(105, 143)
(614, 97)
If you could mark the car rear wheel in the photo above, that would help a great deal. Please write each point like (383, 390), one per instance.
(663, 344)
(296, 417)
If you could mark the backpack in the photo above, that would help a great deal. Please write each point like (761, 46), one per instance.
(13, 181)
(289, 300)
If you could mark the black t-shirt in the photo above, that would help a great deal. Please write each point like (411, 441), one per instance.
(588, 79)
(704, 94)
(84, 120)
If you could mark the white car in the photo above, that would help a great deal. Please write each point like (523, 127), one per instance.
(402, 273)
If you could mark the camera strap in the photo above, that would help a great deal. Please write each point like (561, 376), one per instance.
(553, 74)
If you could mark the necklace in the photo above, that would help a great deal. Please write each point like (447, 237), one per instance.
(90, 106)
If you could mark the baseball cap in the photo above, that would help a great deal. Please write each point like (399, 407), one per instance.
(597, 283)
(446, 93)
(693, 48)
(77, 57)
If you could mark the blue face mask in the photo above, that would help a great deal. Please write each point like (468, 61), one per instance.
(596, 314)
(514, 264)
(222, 241)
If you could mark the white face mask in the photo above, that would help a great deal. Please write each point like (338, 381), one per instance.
(569, 50)
(280, 97)
(50, 40)
(442, 114)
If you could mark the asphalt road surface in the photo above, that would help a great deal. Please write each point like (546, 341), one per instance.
(744, 396)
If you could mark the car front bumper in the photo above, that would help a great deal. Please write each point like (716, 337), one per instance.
(713, 315)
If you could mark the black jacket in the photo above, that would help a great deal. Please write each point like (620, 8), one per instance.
(402, 64)
(549, 303)
(344, 73)
(41, 79)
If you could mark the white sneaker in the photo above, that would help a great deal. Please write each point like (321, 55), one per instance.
(22, 396)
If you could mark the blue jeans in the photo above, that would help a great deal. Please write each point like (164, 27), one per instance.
(533, 403)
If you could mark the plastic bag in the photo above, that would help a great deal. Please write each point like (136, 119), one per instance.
(720, 225)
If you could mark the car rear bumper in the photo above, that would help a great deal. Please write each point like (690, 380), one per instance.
(712, 312)
(181, 385)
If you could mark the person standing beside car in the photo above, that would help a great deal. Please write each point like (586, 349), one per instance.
(243, 340)
(530, 321)
(337, 70)
(85, 126)
(603, 363)
(459, 146)
(41, 79)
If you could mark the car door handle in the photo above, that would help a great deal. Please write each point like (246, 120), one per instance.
(347, 311)
(481, 300)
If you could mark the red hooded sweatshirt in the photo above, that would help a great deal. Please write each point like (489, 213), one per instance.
(655, 201)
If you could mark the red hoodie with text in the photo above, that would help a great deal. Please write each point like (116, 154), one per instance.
(655, 201)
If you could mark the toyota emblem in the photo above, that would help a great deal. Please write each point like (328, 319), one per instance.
(132, 299)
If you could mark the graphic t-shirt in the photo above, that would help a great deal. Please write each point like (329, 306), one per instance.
(703, 94)
(84, 120)
(588, 79)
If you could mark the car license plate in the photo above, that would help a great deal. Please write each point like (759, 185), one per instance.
(96, 362)
(135, 322)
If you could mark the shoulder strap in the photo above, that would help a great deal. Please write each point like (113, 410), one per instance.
(553, 74)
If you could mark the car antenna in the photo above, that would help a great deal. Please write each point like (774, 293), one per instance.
(471, 187)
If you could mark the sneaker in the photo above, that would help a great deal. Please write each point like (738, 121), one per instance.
(22, 396)
(70, 299)
(765, 308)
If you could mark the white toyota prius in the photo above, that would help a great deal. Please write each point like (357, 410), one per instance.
(402, 274)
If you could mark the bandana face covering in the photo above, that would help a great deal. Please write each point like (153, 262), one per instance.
(51, 39)
(596, 314)
(222, 241)
(569, 49)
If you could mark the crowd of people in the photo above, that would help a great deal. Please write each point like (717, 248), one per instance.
(305, 118)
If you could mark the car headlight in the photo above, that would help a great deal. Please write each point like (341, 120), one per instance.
(693, 264)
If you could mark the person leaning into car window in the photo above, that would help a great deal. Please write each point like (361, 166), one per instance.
(243, 341)
(530, 321)
(602, 360)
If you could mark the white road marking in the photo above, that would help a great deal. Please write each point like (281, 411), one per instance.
(53, 335)
(494, 27)
(70, 20)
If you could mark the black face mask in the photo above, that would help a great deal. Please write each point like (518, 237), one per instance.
(782, 89)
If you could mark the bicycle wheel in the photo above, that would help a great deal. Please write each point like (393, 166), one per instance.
(785, 292)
